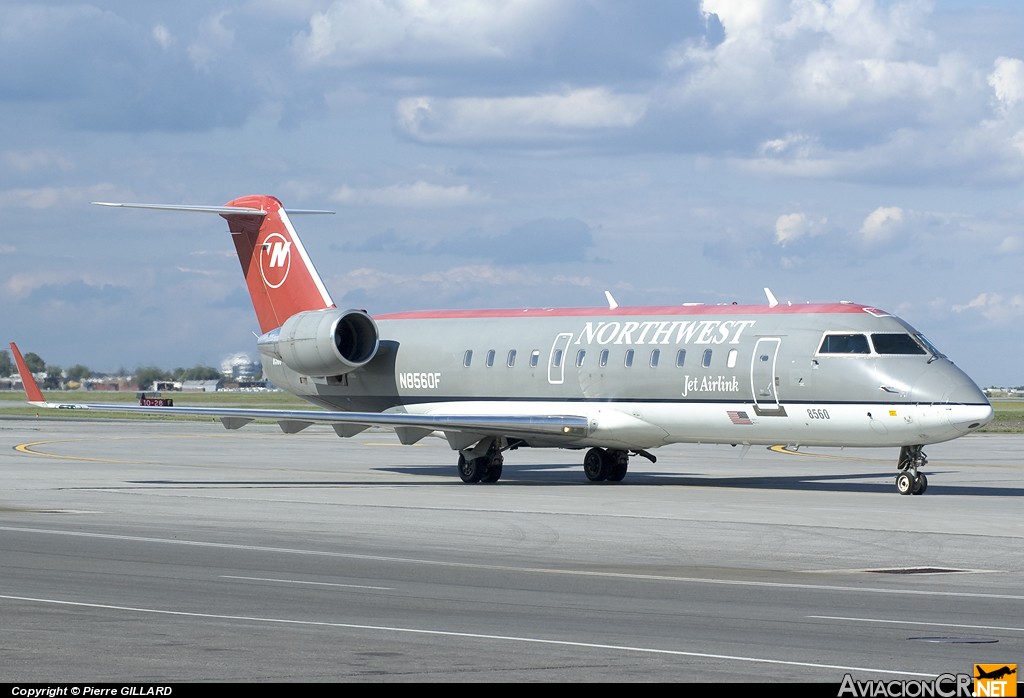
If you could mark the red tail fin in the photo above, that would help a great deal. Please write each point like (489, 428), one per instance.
(31, 387)
(281, 278)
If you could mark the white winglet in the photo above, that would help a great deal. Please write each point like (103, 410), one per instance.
(772, 301)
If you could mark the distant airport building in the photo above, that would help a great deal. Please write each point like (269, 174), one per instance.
(241, 368)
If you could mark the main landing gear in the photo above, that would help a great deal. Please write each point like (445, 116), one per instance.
(609, 464)
(485, 468)
(600, 464)
(483, 462)
(910, 480)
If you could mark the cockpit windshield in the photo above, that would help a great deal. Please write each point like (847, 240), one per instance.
(896, 344)
(882, 343)
(844, 344)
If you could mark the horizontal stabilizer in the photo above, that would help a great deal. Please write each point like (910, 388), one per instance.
(223, 210)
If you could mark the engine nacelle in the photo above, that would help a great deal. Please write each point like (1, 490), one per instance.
(323, 342)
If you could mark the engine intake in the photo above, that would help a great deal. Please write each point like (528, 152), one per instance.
(323, 342)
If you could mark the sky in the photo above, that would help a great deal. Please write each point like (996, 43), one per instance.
(511, 153)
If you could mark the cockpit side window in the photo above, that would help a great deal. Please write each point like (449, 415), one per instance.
(929, 346)
(886, 343)
(847, 343)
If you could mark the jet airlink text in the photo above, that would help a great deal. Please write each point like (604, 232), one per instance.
(718, 384)
(664, 332)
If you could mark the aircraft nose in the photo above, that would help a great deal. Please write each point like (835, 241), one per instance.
(965, 405)
(968, 418)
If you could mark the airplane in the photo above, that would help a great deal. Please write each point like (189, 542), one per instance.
(616, 381)
(996, 674)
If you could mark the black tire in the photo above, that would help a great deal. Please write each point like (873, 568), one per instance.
(595, 465)
(493, 473)
(922, 484)
(618, 465)
(905, 483)
(470, 470)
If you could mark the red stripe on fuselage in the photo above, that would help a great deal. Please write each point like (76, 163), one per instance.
(809, 308)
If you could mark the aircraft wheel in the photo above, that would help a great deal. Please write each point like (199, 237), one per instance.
(619, 461)
(493, 472)
(905, 483)
(469, 469)
(595, 465)
(922, 484)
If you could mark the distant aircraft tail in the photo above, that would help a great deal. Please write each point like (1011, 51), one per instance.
(32, 391)
(281, 278)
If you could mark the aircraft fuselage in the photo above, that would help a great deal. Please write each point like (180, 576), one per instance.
(653, 376)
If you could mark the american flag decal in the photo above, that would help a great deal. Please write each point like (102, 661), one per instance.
(739, 417)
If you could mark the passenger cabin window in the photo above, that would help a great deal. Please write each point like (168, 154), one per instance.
(629, 358)
(535, 358)
(731, 359)
(705, 360)
(490, 358)
(580, 355)
(896, 344)
(468, 358)
(655, 356)
(603, 358)
(844, 344)
(556, 360)
(680, 358)
(511, 358)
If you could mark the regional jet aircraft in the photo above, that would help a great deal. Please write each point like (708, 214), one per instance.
(615, 381)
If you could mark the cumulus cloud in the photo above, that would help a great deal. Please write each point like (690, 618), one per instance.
(881, 223)
(1007, 81)
(522, 118)
(790, 226)
(419, 194)
(995, 306)
(849, 90)
(350, 32)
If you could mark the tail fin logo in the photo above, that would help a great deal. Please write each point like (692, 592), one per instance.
(275, 259)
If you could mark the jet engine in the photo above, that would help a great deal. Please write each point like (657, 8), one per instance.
(326, 342)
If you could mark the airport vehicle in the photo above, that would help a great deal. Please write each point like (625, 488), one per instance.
(616, 381)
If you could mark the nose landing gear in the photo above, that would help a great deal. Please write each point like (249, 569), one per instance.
(910, 480)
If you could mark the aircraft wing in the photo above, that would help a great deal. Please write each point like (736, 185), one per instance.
(294, 420)
(458, 428)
